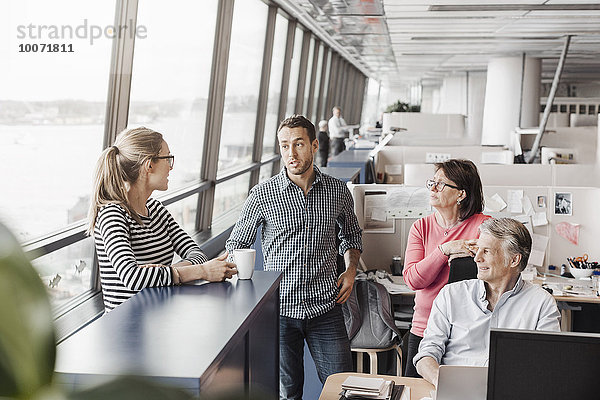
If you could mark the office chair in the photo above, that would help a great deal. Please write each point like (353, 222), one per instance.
(462, 269)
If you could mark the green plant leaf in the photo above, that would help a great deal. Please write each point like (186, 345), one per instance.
(27, 341)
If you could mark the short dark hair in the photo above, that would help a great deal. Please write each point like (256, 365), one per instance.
(296, 121)
(464, 174)
(514, 236)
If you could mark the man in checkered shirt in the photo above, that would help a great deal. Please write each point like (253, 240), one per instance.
(298, 211)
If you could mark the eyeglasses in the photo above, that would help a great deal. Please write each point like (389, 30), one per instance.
(169, 158)
(439, 186)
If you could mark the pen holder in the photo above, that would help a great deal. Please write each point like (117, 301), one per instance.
(396, 266)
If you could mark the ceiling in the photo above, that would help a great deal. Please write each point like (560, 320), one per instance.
(403, 42)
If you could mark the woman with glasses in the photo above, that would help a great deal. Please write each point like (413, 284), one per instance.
(456, 194)
(135, 236)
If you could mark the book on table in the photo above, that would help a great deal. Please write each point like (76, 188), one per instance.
(363, 388)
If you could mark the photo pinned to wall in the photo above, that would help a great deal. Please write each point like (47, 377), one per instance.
(541, 201)
(563, 204)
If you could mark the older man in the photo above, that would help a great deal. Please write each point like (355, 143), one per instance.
(462, 314)
(337, 133)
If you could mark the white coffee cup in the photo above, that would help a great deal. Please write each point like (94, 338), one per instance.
(244, 259)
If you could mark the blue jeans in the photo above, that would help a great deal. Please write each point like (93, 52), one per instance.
(328, 344)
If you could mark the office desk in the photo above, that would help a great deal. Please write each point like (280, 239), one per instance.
(566, 323)
(196, 337)
(352, 159)
(343, 174)
(419, 388)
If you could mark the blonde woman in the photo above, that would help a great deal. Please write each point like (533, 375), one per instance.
(135, 236)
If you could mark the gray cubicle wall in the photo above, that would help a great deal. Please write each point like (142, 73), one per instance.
(379, 248)
(582, 175)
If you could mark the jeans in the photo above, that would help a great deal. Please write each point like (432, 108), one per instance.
(337, 146)
(413, 349)
(328, 344)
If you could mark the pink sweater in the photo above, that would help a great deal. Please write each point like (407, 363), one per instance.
(426, 268)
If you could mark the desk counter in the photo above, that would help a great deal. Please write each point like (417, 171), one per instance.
(343, 174)
(195, 337)
(352, 159)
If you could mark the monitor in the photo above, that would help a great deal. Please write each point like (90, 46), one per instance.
(543, 365)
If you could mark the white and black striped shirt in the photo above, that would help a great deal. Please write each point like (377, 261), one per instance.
(124, 246)
(298, 238)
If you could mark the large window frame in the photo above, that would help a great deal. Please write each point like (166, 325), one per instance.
(332, 83)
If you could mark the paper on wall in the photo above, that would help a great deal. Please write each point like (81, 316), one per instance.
(525, 220)
(527, 206)
(494, 203)
(539, 219)
(375, 213)
(539, 243)
(379, 215)
(408, 202)
(514, 200)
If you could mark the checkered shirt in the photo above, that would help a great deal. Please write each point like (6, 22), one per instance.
(298, 238)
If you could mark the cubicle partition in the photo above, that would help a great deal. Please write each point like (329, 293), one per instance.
(583, 175)
(380, 246)
(447, 125)
(391, 159)
(582, 140)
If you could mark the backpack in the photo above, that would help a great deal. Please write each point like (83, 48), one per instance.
(369, 317)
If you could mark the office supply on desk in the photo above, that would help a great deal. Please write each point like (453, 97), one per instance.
(390, 391)
(542, 365)
(414, 388)
(364, 383)
(396, 266)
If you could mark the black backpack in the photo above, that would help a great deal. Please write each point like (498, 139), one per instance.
(369, 317)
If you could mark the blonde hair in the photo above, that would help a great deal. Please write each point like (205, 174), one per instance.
(118, 167)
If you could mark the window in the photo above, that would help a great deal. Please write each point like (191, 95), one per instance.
(243, 83)
(272, 117)
(309, 69)
(52, 108)
(266, 171)
(230, 194)
(324, 111)
(171, 77)
(294, 73)
(184, 212)
(67, 273)
(369, 114)
(317, 95)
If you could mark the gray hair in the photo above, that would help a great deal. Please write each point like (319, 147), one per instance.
(514, 236)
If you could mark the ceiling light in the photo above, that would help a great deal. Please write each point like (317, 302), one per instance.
(512, 7)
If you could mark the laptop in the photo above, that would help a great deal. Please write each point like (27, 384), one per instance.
(457, 382)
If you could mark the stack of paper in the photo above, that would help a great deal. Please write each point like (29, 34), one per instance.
(355, 387)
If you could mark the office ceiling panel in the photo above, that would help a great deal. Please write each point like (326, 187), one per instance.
(407, 41)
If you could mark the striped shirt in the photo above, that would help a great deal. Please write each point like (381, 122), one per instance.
(124, 246)
(298, 238)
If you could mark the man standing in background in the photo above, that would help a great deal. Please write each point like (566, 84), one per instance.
(336, 131)
(323, 138)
